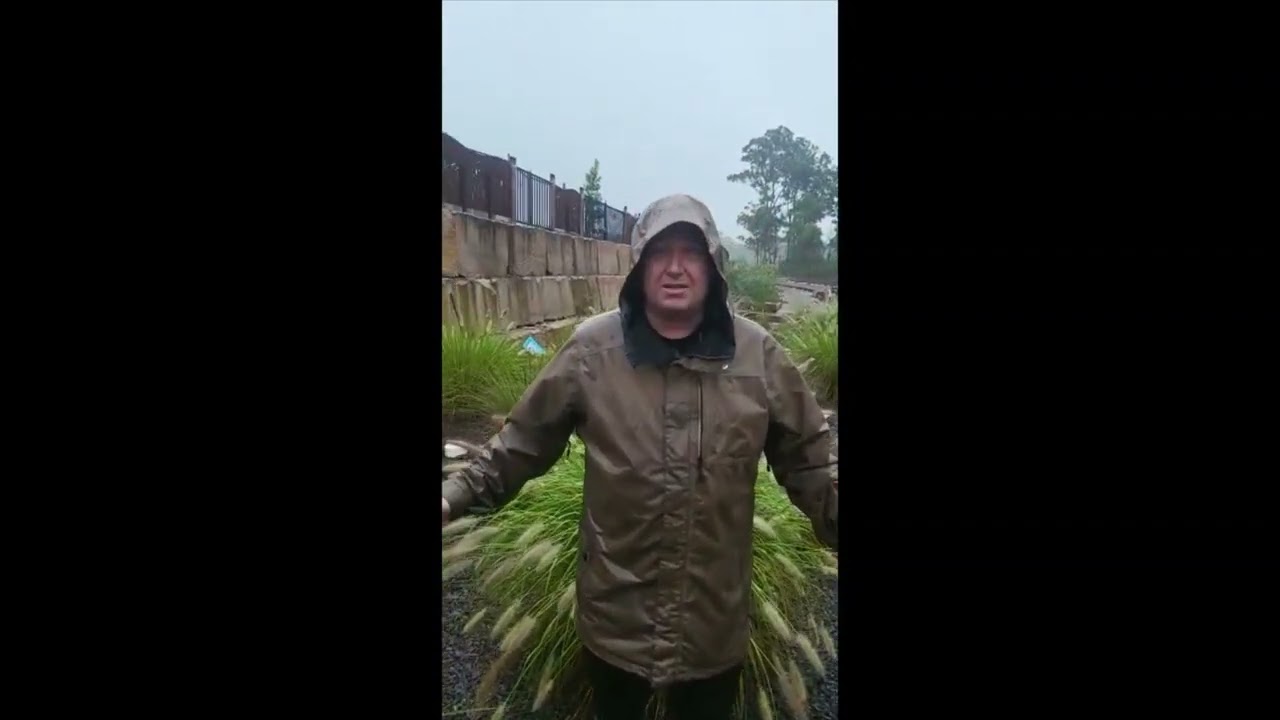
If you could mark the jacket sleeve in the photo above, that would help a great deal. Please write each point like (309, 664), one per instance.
(798, 446)
(531, 440)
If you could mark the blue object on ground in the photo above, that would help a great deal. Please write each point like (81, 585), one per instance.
(533, 347)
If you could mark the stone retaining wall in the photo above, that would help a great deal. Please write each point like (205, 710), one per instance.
(505, 273)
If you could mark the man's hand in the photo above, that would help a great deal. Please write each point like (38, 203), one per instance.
(444, 512)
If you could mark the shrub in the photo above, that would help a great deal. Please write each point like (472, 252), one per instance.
(751, 286)
(484, 372)
(812, 337)
(524, 559)
(820, 270)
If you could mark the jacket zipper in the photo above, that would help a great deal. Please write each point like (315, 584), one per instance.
(699, 375)
(688, 520)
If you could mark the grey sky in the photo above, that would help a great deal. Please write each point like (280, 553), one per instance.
(665, 94)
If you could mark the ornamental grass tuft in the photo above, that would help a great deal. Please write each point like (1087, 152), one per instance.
(522, 560)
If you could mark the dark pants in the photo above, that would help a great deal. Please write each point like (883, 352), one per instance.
(619, 695)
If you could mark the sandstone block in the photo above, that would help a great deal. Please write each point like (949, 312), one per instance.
(610, 288)
(484, 248)
(584, 256)
(528, 252)
(626, 259)
(607, 258)
(554, 291)
(530, 294)
(508, 311)
(447, 316)
(567, 245)
(555, 255)
(450, 241)
(460, 302)
(597, 297)
(566, 297)
(580, 289)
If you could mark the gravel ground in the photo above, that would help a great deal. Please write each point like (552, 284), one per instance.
(464, 658)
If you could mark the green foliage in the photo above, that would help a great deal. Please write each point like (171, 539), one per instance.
(812, 338)
(484, 372)
(796, 187)
(750, 286)
(810, 269)
(523, 559)
(591, 183)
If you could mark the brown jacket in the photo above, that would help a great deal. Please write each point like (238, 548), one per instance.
(672, 446)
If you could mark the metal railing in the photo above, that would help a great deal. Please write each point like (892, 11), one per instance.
(477, 181)
(603, 222)
(534, 200)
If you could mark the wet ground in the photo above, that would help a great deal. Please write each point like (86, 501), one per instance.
(476, 430)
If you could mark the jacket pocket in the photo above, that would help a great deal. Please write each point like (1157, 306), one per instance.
(737, 417)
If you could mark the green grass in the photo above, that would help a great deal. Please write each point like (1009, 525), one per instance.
(751, 286)
(812, 338)
(524, 559)
(483, 371)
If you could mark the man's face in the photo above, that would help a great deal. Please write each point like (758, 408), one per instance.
(676, 270)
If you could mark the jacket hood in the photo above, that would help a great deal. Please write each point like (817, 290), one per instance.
(657, 217)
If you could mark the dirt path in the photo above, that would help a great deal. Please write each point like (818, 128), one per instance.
(796, 296)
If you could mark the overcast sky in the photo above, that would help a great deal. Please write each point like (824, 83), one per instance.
(665, 94)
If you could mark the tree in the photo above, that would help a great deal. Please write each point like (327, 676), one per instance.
(591, 184)
(596, 221)
(795, 184)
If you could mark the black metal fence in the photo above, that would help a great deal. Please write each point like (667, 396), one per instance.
(534, 201)
(603, 222)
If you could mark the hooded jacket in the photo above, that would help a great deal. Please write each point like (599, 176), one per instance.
(672, 447)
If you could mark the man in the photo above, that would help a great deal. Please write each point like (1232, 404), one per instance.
(675, 399)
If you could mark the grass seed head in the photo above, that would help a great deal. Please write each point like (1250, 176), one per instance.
(545, 683)
(795, 691)
(766, 707)
(797, 681)
(469, 542)
(489, 682)
(776, 621)
(503, 569)
(763, 526)
(567, 598)
(498, 713)
(533, 555)
(548, 557)
(829, 570)
(792, 696)
(790, 566)
(810, 653)
(475, 620)
(451, 570)
(528, 535)
(827, 643)
(504, 620)
(460, 525)
(518, 634)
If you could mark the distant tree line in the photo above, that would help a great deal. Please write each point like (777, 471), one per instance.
(796, 189)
